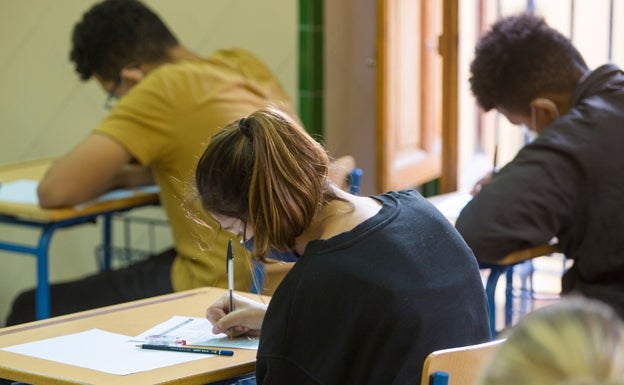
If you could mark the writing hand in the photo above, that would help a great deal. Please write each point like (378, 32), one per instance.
(245, 320)
(482, 182)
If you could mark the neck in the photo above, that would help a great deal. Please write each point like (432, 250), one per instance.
(180, 52)
(175, 54)
(561, 99)
(336, 217)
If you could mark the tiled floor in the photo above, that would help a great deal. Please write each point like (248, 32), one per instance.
(546, 283)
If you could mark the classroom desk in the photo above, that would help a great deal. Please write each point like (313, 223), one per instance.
(450, 205)
(30, 215)
(131, 318)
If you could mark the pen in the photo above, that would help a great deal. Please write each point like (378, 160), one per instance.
(188, 349)
(495, 169)
(230, 272)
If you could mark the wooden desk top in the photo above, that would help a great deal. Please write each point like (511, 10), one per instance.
(35, 170)
(131, 319)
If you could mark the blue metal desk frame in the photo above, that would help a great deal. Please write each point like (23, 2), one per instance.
(31, 215)
(40, 250)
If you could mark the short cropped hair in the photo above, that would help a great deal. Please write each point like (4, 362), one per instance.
(116, 33)
(519, 58)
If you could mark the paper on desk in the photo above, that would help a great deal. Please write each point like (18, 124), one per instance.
(120, 194)
(25, 191)
(103, 351)
(20, 191)
(452, 206)
(197, 331)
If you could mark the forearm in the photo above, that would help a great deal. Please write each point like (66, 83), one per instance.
(521, 208)
(489, 241)
(132, 175)
(90, 169)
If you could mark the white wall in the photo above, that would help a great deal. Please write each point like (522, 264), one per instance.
(45, 109)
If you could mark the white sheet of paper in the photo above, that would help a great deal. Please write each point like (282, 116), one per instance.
(119, 194)
(452, 206)
(196, 331)
(20, 191)
(25, 191)
(103, 351)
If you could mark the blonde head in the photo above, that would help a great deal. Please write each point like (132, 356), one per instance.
(573, 342)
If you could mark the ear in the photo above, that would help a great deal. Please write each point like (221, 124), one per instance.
(132, 76)
(547, 106)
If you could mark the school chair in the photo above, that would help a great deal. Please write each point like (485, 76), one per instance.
(519, 263)
(458, 366)
(490, 290)
(266, 277)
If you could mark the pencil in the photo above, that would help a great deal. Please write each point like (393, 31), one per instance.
(188, 349)
(495, 155)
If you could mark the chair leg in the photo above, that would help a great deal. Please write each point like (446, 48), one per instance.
(525, 271)
(490, 291)
(509, 297)
(257, 277)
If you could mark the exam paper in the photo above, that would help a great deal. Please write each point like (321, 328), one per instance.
(20, 191)
(102, 351)
(25, 191)
(451, 207)
(196, 331)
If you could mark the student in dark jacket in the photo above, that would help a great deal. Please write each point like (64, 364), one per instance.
(566, 184)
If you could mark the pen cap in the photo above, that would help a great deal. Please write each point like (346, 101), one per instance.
(229, 265)
(159, 339)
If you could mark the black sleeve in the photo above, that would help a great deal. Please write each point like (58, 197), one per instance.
(526, 204)
(275, 371)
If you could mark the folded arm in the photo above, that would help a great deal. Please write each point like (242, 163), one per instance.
(96, 165)
(525, 205)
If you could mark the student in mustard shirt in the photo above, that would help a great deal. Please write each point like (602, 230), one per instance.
(170, 102)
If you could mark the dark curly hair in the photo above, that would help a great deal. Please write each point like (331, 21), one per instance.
(115, 33)
(519, 58)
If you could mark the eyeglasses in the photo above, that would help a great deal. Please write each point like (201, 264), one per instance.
(109, 103)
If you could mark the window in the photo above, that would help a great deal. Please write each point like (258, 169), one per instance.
(599, 43)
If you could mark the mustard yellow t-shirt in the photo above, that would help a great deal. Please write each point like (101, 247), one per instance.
(165, 122)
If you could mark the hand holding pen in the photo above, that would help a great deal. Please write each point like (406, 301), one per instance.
(488, 177)
(246, 320)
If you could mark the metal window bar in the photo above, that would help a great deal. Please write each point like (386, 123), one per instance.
(127, 253)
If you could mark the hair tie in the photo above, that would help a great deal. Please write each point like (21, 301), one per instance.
(243, 126)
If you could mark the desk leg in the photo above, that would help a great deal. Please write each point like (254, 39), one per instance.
(43, 285)
(106, 241)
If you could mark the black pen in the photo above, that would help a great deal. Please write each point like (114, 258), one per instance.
(188, 349)
(230, 273)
